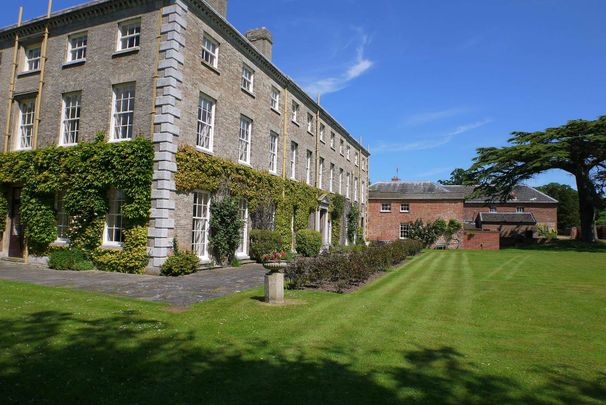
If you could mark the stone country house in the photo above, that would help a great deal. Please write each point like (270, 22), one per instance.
(179, 74)
(394, 205)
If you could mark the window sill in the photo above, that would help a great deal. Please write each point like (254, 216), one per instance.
(67, 145)
(323, 141)
(119, 140)
(124, 52)
(274, 173)
(60, 243)
(245, 163)
(211, 67)
(204, 150)
(385, 212)
(26, 73)
(310, 133)
(404, 212)
(250, 93)
(22, 149)
(108, 246)
(73, 63)
(276, 111)
(295, 122)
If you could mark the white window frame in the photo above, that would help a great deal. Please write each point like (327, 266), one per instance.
(357, 158)
(404, 207)
(113, 231)
(274, 101)
(333, 137)
(385, 207)
(355, 189)
(206, 122)
(294, 114)
(322, 132)
(70, 118)
(27, 117)
(310, 123)
(242, 251)
(519, 210)
(129, 35)
(348, 152)
(332, 177)
(33, 58)
(308, 159)
(404, 231)
(210, 51)
(321, 173)
(294, 148)
(341, 146)
(341, 181)
(362, 190)
(200, 224)
(245, 140)
(248, 79)
(76, 47)
(118, 115)
(273, 152)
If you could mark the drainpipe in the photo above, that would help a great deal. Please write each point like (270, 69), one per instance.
(41, 80)
(11, 89)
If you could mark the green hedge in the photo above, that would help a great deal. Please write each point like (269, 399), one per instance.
(339, 271)
(264, 242)
(182, 263)
(64, 259)
(309, 243)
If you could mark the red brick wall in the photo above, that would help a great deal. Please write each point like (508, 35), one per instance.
(544, 213)
(478, 240)
(386, 225)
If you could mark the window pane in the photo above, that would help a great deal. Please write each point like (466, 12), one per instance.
(124, 108)
(206, 114)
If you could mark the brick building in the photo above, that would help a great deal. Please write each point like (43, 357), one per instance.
(178, 73)
(392, 206)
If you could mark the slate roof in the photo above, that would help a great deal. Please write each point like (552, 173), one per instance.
(507, 218)
(428, 190)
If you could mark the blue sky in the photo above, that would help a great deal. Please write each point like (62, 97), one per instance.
(424, 83)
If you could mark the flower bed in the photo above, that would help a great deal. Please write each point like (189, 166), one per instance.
(342, 271)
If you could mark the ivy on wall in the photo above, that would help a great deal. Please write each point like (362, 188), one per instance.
(200, 171)
(83, 174)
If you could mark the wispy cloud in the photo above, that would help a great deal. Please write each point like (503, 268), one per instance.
(430, 143)
(433, 116)
(332, 84)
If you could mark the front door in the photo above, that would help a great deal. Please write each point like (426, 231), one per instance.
(15, 242)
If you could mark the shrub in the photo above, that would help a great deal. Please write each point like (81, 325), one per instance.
(65, 259)
(225, 227)
(544, 232)
(182, 263)
(263, 242)
(309, 243)
(348, 267)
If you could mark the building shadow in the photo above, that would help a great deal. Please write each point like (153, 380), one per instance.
(60, 357)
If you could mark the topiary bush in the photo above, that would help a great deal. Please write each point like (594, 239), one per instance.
(72, 259)
(309, 243)
(225, 227)
(263, 242)
(181, 264)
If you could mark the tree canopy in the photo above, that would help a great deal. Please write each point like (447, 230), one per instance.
(568, 204)
(578, 147)
(457, 177)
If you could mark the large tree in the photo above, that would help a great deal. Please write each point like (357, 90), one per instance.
(457, 177)
(578, 147)
(568, 204)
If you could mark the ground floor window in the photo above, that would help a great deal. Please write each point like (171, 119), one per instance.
(243, 246)
(114, 227)
(404, 231)
(201, 217)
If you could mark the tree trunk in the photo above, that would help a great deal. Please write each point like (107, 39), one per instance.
(587, 209)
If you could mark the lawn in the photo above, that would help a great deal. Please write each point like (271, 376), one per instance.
(515, 326)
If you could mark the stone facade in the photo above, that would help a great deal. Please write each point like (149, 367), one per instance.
(170, 77)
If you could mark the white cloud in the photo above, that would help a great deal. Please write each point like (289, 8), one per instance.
(338, 82)
(430, 143)
(432, 116)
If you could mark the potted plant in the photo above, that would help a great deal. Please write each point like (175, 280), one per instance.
(275, 262)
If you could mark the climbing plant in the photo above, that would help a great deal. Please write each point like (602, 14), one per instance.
(293, 199)
(337, 211)
(353, 220)
(83, 174)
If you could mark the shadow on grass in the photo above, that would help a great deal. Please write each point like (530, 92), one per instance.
(565, 246)
(59, 357)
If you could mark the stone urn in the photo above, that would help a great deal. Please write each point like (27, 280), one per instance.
(274, 281)
(275, 266)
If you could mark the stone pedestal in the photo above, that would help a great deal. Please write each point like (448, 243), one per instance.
(274, 288)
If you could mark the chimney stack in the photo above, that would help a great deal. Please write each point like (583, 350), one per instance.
(262, 40)
(220, 6)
